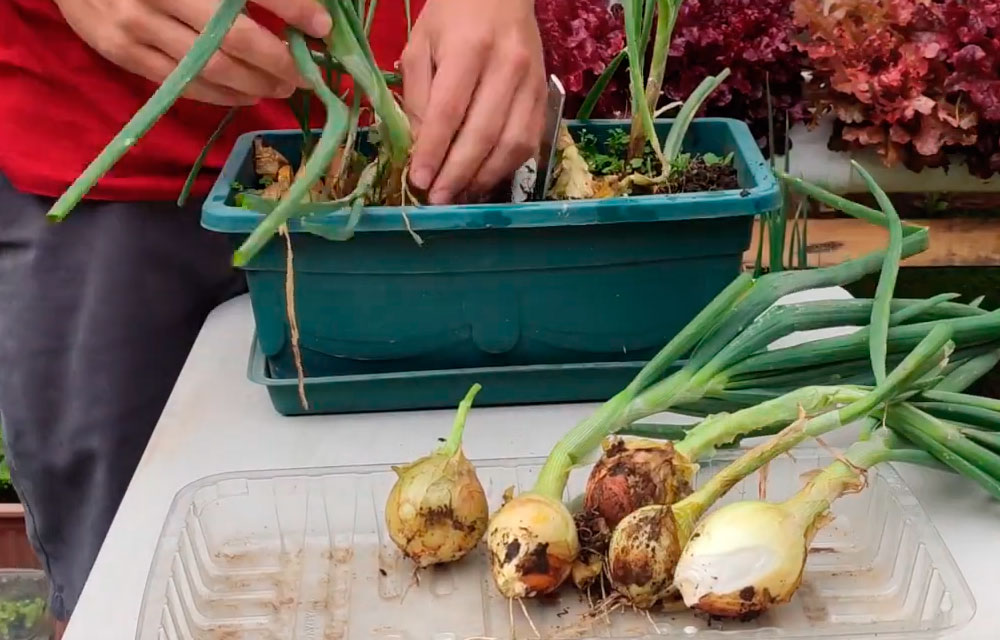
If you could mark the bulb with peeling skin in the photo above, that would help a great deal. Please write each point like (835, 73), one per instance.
(436, 511)
(636, 473)
(644, 550)
(632, 473)
(532, 544)
(743, 559)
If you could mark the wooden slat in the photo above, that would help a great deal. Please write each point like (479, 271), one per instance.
(954, 242)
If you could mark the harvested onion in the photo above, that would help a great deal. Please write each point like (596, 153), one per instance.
(749, 556)
(532, 543)
(636, 473)
(631, 474)
(437, 510)
(646, 546)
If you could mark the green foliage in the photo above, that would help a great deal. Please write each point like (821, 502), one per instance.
(5, 482)
(20, 616)
(609, 158)
(711, 159)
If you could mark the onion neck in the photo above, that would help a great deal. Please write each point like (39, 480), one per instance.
(840, 477)
(452, 445)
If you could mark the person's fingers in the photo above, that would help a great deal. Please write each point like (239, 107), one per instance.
(484, 122)
(518, 143)
(417, 68)
(175, 39)
(203, 91)
(246, 41)
(450, 94)
(155, 65)
(307, 15)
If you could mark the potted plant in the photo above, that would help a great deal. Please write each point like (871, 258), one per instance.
(23, 607)
(15, 549)
(645, 223)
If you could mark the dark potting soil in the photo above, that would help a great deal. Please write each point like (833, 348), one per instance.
(8, 495)
(701, 176)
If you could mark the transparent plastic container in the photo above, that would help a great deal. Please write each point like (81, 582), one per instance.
(303, 555)
(24, 605)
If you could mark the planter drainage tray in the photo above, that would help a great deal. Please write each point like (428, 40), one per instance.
(304, 555)
(437, 389)
(496, 285)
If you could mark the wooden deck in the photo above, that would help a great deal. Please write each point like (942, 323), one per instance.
(955, 242)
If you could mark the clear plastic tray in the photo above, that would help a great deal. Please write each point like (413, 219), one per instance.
(303, 555)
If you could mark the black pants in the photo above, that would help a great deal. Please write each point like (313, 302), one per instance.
(97, 316)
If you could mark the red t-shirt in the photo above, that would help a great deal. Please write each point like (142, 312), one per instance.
(61, 103)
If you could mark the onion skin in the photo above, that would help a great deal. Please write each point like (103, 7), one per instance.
(644, 550)
(633, 474)
(595, 536)
(532, 544)
(437, 510)
(745, 605)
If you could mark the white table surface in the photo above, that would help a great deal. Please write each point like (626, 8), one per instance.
(218, 421)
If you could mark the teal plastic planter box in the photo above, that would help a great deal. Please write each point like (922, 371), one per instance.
(542, 283)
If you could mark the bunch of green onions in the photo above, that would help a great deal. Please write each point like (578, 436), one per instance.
(749, 556)
(346, 51)
(646, 545)
(728, 362)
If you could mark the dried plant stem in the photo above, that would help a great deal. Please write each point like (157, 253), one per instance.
(293, 323)
(404, 193)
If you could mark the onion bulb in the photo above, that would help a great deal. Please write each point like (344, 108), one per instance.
(532, 544)
(644, 550)
(742, 559)
(636, 473)
(437, 510)
(749, 556)
(631, 474)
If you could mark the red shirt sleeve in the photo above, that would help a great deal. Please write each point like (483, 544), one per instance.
(61, 103)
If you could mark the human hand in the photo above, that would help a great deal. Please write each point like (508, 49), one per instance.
(149, 37)
(474, 90)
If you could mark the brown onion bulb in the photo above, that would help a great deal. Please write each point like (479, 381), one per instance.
(636, 473)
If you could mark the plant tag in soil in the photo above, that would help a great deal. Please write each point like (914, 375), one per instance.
(531, 181)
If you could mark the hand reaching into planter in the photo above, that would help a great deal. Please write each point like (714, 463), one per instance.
(149, 37)
(474, 90)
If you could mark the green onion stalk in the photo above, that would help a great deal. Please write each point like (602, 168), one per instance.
(645, 95)
(645, 547)
(348, 43)
(330, 140)
(348, 51)
(644, 102)
(749, 556)
(631, 475)
(972, 451)
(192, 64)
(961, 430)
